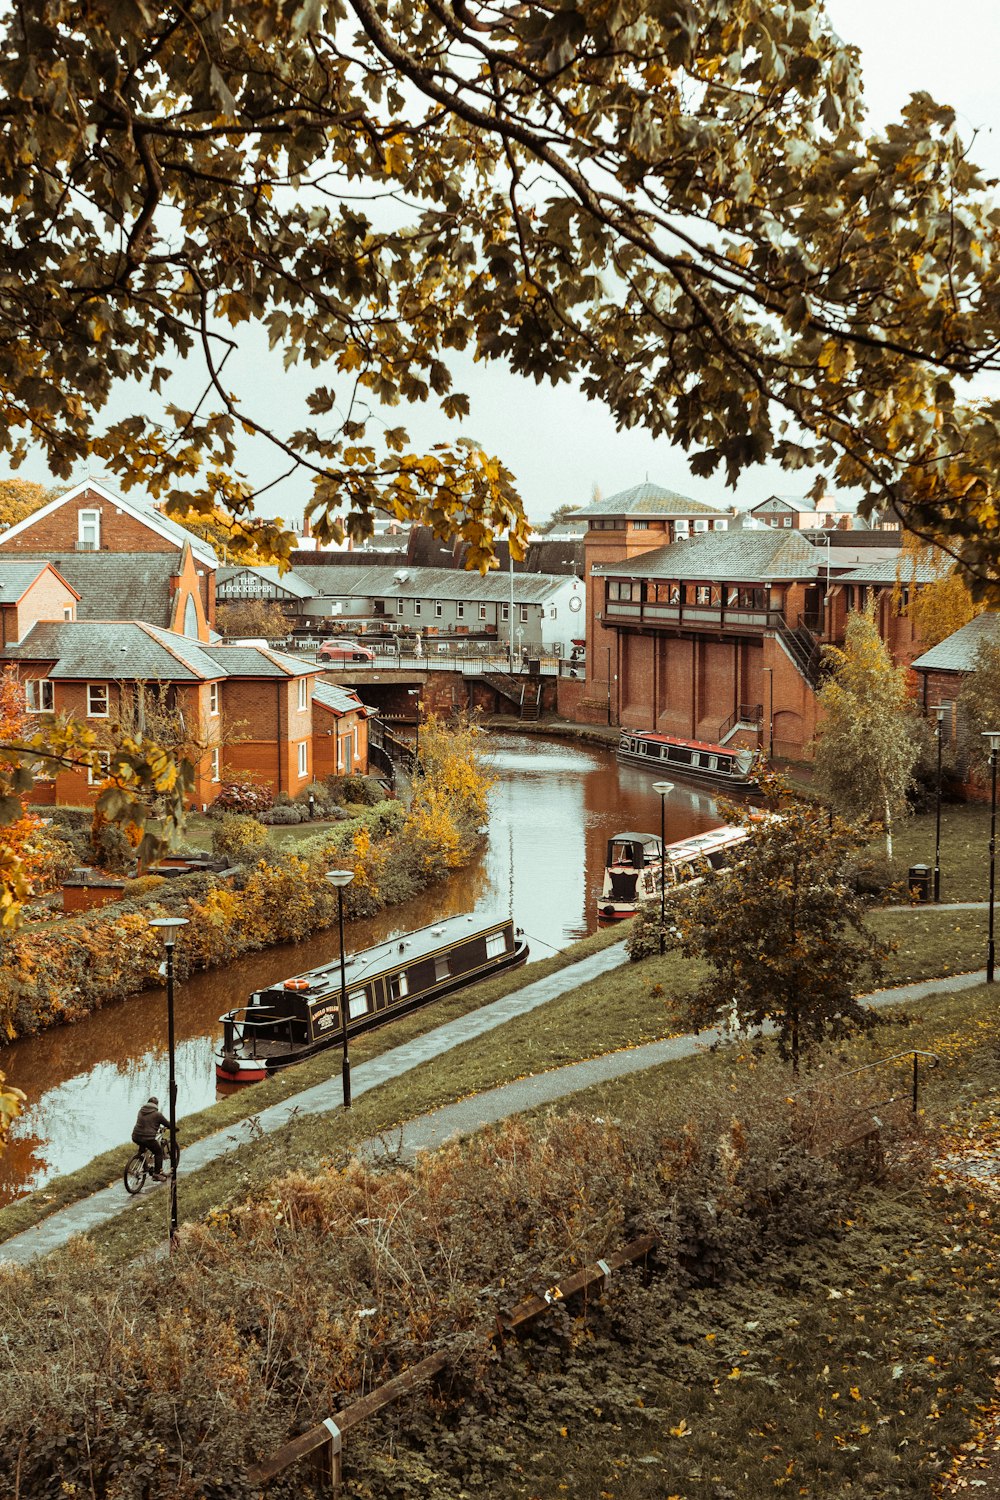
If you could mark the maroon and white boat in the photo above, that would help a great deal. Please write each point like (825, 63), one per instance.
(691, 760)
(635, 864)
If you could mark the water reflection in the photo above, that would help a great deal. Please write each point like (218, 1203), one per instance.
(553, 809)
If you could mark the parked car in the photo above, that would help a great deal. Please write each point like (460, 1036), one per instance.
(341, 650)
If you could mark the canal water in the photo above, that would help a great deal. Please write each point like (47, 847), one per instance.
(553, 808)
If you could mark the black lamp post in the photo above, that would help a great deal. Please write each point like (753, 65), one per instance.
(663, 787)
(939, 709)
(340, 878)
(993, 735)
(415, 693)
(770, 708)
(609, 687)
(168, 928)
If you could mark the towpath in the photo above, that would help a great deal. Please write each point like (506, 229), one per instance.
(426, 1132)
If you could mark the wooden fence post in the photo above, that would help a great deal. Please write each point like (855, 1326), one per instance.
(327, 1458)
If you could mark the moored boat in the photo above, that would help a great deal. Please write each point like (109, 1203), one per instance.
(286, 1022)
(634, 866)
(691, 760)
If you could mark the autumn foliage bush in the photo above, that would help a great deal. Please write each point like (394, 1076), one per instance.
(361, 1271)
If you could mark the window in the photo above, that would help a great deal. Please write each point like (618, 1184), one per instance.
(397, 987)
(438, 610)
(102, 769)
(417, 608)
(786, 520)
(191, 618)
(640, 525)
(303, 694)
(505, 612)
(97, 700)
(213, 698)
(496, 944)
(459, 611)
(703, 594)
(89, 530)
(216, 764)
(304, 758)
(399, 606)
(442, 968)
(357, 1003)
(345, 744)
(69, 611)
(38, 696)
(482, 611)
(552, 612)
(523, 608)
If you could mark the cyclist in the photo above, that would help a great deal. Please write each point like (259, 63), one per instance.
(148, 1122)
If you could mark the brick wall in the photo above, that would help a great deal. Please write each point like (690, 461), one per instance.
(266, 728)
(47, 599)
(60, 530)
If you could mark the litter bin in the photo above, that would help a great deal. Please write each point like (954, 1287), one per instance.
(918, 879)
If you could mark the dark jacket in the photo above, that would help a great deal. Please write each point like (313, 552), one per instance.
(148, 1122)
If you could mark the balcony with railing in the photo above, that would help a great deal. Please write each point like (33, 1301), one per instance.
(739, 618)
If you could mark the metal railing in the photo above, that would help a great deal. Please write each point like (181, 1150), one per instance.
(750, 714)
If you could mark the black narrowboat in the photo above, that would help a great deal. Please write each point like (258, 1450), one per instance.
(292, 1020)
(691, 760)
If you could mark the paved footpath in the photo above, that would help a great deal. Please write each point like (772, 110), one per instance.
(429, 1131)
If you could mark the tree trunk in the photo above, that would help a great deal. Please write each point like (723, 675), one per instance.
(794, 1023)
(888, 831)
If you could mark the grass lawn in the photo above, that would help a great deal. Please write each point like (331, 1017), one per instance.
(965, 834)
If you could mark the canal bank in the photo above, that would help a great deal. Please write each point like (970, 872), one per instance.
(552, 809)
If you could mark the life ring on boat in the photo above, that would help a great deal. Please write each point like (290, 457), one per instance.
(296, 984)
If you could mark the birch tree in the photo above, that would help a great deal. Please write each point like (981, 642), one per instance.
(868, 740)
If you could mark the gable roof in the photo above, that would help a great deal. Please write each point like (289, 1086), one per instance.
(117, 585)
(957, 652)
(18, 573)
(790, 502)
(901, 569)
(339, 700)
(764, 556)
(289, 582)
(378, 581)
(140, 510)
(103, 650)
(647, 500)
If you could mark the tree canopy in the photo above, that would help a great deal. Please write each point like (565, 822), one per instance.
(680, 207)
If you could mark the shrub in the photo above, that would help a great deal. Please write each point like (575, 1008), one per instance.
(242, 795)
(110, 847)
(238, 838)
(363, 791)
(143, 884)
(284, 815)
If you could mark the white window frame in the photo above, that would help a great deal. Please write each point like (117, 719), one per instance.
(303, 757)
(504, 613)
(213, 700)
(104, 763)
(482, 611)
(69, 611)
(459, 611)
(523, 608)
(418, 608)
(216, 764)
(496, 944)
(85, 519)
(303, 694)
(43, 692)
(98, 688)
(438, 609)
(399, 606)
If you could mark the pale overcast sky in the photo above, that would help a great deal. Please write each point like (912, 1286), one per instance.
(558, 444)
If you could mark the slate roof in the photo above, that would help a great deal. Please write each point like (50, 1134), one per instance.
(339, 700)
(731, 556)
(256, 661)
(118, 585)
(98, 650)
(957, 653)
(646, 500)
(902, 568)
(377, 581)
(17, 574)
(793, 502)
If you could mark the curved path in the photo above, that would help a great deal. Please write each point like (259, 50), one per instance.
(426, 1132)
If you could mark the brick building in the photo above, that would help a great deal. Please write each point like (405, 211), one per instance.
(32, 590)
(340, 732)
(941, 674)
(244, 707)
(92, 519)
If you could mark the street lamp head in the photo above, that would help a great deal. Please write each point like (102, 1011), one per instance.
(168, 927)
(663, 787)
(993, 735)
(939, 710)
(340, 878)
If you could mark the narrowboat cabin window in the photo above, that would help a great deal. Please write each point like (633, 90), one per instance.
(442, 968)
(397, 986)
(357, 1003)
(496, 944)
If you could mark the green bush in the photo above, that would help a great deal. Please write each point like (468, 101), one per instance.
(238, 838)
(110, 849)
(143, 884)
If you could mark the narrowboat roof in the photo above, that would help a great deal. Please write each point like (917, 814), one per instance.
(635, 838)
(396, 953)
(672, 739)
(725, 834)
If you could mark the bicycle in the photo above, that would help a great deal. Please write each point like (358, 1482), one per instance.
(140, 1166)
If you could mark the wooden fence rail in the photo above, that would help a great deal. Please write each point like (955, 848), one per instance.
(324, 1443)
